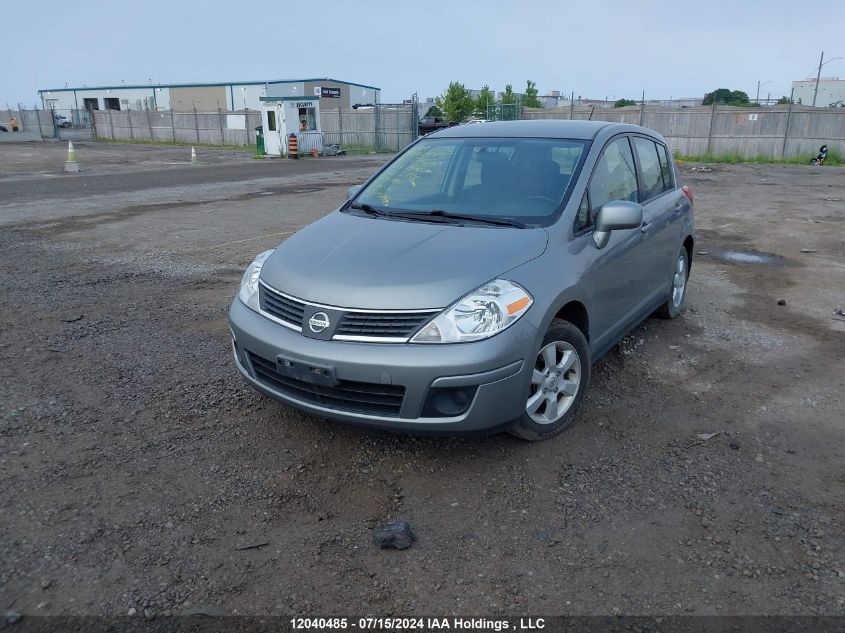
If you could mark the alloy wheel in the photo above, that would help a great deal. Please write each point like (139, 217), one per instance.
(554, 382)
(679, 281)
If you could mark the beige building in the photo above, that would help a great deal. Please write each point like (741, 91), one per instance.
(209, 97)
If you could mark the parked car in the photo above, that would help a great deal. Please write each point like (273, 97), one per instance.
(61, 120)
(431, 124)
(472, 282)
(3, 128)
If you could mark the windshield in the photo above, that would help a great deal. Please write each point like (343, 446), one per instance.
(523, 179)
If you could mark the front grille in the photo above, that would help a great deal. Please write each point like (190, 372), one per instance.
(281, 307)
(382, 324)
(348, 395)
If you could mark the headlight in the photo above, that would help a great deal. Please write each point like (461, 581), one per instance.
(480, 314)
(249, 282)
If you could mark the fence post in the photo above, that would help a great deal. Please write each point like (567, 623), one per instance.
(340, 125)
(572, 105)
(788, 118)
(710, 127)
(111, 125)
(150, 123)
(131, 131)
(38, 118)
(642, 108)
(93, 115)
(220, 121)
(375, 125)
(173, 123)
(196, 123)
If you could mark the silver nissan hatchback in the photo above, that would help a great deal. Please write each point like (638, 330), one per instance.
(470, 284)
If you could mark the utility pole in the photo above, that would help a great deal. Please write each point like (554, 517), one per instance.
(818, 78)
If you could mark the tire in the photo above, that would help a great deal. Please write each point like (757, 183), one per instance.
(572, 360)
(675, 303)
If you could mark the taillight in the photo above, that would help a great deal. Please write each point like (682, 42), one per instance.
(687, 192)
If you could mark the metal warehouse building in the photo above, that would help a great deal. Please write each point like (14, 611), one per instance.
(828, 91)
(207, 97)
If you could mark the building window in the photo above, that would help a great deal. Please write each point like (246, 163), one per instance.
(271, 121)
(112, 103)
(307, 120)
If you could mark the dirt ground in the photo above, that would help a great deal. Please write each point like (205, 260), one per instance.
(134, 460)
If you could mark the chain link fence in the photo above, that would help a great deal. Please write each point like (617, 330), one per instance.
(779, 132)
(378, 128)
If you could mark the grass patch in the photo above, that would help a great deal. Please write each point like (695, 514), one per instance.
(735, 158)
(147, 141)
(351, 148)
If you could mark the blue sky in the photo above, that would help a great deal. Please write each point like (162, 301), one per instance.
(597, 49)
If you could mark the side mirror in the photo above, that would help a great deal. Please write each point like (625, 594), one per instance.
(353, 191)
(616, 215)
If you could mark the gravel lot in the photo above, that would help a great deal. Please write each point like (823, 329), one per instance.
(135, 462)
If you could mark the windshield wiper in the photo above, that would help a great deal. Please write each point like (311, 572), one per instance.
(367, 208)
(448, 215)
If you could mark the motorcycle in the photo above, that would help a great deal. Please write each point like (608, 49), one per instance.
(820, 157)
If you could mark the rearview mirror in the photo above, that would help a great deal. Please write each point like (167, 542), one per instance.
(616, 215)
(353, 191)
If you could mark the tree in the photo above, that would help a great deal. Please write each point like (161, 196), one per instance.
(434, 112)
(784, 100)
(621, 103)
(484, 99)
(529, 99)
(508, 96)
(456, 103)
(727, 97)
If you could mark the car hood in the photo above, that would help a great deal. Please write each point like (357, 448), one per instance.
(358, 262)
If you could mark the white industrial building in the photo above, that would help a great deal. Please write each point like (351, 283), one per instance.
(831, 92)
(208, 97)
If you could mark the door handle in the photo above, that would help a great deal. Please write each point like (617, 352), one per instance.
(645, 227)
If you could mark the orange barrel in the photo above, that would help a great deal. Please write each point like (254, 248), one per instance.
(293, 146)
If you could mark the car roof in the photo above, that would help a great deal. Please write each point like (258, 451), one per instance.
(538, 128)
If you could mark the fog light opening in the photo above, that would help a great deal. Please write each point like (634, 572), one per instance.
(448, 402)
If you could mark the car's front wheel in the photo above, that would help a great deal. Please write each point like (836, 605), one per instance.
(559, 379)
(678, 292)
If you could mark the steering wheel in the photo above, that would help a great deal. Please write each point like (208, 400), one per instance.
(543, 198)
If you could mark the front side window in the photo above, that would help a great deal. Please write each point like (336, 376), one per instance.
(524, 179)
(614, 177)
(652, 175)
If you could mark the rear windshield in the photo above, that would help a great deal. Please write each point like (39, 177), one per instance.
(522, 179)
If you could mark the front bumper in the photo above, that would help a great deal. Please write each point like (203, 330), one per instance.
(494, 371)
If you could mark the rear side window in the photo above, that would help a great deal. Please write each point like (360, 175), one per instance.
(665, 168)
(652, 174)
(614, 177)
